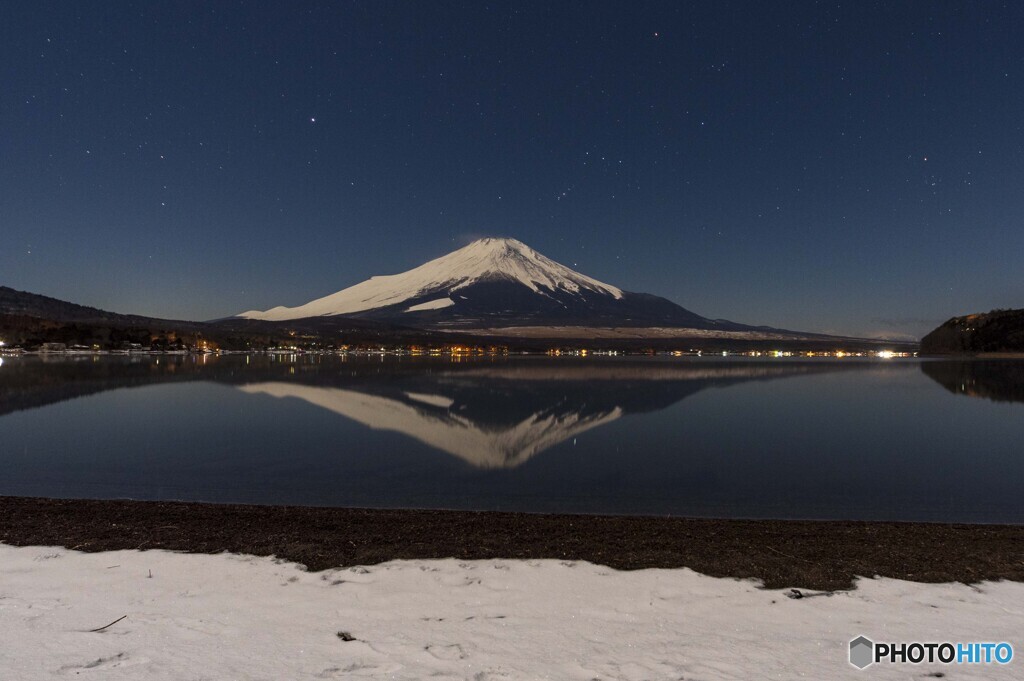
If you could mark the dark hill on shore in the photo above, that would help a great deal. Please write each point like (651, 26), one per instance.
(995, 331)
(27, 320)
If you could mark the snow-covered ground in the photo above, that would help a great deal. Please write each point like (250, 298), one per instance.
(192, 617)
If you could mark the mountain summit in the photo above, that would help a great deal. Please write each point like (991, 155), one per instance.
(506, 260)
(495, 281)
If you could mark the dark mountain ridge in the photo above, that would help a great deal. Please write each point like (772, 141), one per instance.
(995, 331)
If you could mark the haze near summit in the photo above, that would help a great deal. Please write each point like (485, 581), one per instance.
(849, 169)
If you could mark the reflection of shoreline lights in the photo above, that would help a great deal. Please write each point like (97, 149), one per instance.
(880, 354)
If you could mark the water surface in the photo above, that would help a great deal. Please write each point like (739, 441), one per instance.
(895, 440)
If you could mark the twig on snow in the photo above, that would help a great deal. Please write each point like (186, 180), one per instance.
(92, 631)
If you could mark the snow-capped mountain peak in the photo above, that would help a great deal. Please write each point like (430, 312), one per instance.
(512, 259)
(429, 286)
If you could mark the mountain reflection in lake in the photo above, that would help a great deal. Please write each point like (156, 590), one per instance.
(732, 438)
(498, 417)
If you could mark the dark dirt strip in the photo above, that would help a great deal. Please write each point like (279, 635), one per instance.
(782, 553)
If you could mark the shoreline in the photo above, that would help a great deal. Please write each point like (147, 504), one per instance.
(812, 554)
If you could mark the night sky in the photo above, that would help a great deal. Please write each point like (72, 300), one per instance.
(854, 168)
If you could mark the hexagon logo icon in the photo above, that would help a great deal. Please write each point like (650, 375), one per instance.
(862, 652)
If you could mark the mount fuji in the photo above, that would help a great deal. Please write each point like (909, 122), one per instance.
(497, 282)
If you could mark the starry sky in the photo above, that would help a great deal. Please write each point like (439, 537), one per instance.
(842, 167)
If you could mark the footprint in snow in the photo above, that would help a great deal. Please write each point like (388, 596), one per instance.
(448, 652)
(102, 663)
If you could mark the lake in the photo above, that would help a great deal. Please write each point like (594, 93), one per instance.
(723, 437)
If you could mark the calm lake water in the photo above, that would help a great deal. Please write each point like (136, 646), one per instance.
(894, 440)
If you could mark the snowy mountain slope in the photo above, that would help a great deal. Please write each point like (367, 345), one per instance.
(494, 282)
(505, 260)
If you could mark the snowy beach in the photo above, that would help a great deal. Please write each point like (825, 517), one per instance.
(234, 616)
